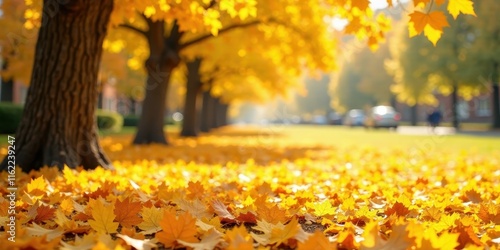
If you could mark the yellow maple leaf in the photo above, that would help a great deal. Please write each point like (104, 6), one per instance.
(37, 186)
(239, 238)
(174, 228)
(281, 235)
(397, 240)
(324, 208)
(455, 7)
(103, 217)
(151, 219)
(446, 241)
(209, 241)
(317, 241)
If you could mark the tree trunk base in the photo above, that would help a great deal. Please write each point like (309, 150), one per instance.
(86, 153)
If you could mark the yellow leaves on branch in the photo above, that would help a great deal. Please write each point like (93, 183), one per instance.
(455, 7)
(432, 22)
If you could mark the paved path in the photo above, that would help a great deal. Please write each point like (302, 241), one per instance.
(424, 130)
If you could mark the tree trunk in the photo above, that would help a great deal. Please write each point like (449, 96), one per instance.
(414, 115)
(100, 97)
(58, 126)
(7, 90)
(216, 108)
(189, 123)
(454, 105)
(220, 113)
(207, 112)
(224, 110)
(495, 97)
(132, 105)
(163, 58)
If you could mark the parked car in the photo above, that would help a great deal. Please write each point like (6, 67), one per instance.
(334, 118)
(355, 117)
(382, 116)
(319, 119)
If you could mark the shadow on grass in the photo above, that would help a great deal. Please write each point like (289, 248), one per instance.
(220, 147)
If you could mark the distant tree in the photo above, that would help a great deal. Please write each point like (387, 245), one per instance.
(362, 80)
(410, 74)
(315, 98)
(486, 50)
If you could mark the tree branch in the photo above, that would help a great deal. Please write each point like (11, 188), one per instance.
(223, 30)
(211, 4)
(133, 28)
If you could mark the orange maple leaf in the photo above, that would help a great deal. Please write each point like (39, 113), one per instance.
(247, 217)
(435, 19)
(361, 4)
(398, 208)
(473, 195)
(466, 236)
(347, 237)
(127, 212)
(489, 212)
(272, 214)
(239, 238)
(182, 227)
(44, 213)
(195, 189)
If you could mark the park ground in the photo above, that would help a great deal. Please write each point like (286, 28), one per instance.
(290, 186)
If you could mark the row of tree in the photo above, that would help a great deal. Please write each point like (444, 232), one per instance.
(464, 63)
(225, 46)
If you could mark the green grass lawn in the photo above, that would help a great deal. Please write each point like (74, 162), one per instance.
(344, 137)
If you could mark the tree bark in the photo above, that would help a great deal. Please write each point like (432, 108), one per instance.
(189, 123)
(220, 113)
(132, 105)
(7, 90)
(495, 96)
(58, 126)
(6, 87)
(454, 105)
(414, 115)
(216, 107)
(163, 58)
(207, 112)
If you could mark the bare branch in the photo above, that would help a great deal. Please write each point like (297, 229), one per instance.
(211, 4)
(223, 30)
(133, 28)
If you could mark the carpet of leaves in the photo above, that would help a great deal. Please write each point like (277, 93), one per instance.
(255, 192)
